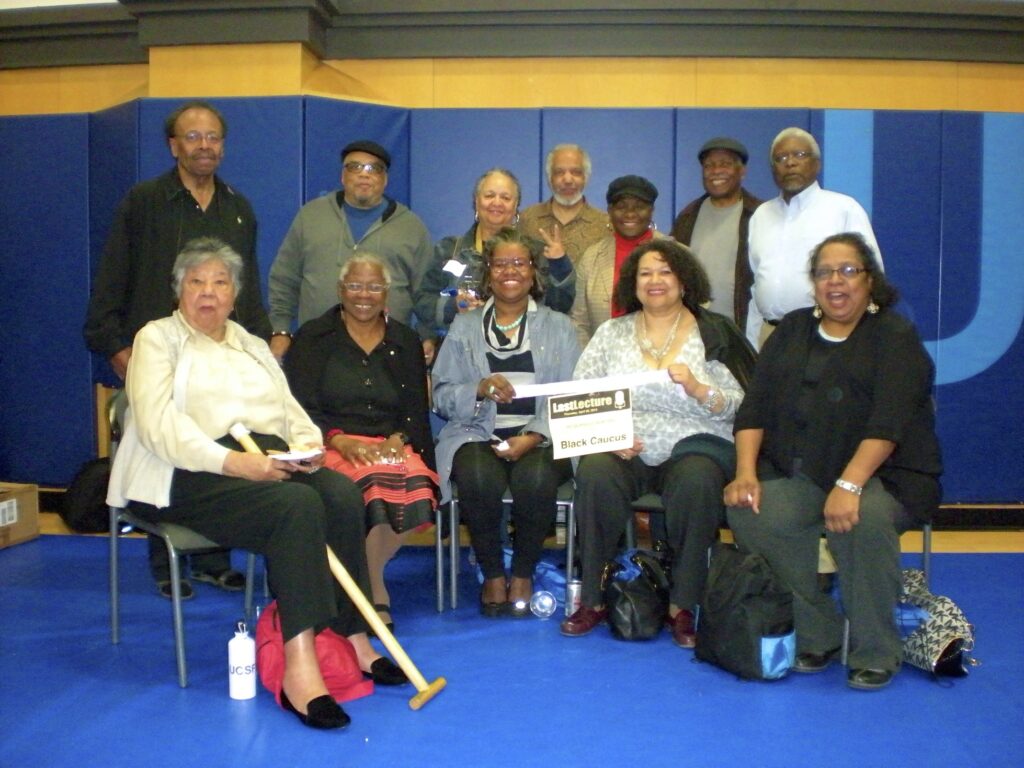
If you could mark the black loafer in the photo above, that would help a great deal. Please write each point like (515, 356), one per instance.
(809, 663)
(868, 679)
(385, 672)
(518, 609)
(322, 712)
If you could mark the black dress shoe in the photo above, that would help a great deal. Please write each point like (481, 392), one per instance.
(868, 679)
(385, 672)
(493, 610)
(518, 609)
(808, 663)
(322, 712)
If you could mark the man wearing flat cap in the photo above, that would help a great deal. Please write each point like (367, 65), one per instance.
(329, 230)
(715, 226)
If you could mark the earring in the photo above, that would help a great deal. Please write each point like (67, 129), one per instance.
(872, 308)
(515, 224)
(816, 311)
(476, 216)
(653, 226)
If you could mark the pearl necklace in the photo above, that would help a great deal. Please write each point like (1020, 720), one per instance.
(648, 346)
(514, 324)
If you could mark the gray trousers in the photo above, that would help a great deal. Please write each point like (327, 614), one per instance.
(786, 533)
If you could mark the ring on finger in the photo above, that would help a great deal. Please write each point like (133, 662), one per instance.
(490, 389)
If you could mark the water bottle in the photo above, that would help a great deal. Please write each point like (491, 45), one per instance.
(242, 664)
(543, 604)
(467, 290)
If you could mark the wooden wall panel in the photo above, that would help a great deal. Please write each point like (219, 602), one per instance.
(57, 90)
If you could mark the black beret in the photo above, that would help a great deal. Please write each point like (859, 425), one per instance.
(724, 142)
(633, 186)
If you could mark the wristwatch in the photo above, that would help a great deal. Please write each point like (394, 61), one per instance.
(846, 485)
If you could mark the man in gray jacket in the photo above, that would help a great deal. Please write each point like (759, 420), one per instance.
(329, 230)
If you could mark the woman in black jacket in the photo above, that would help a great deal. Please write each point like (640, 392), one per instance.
(837, 433)
(362, 379)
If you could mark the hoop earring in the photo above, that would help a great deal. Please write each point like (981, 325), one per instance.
(873, 308)
(817, 311)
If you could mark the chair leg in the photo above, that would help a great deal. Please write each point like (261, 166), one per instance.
(179, 623)
(439, 557)
(250, 579)
(453, 552)
(926, 553)
(115, 592)
(570, 541)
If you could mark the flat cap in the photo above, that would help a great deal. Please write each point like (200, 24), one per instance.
(632, 186)
(370, 147)
(724, 142)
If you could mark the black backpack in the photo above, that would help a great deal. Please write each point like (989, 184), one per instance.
(746, 619)
(85, 503)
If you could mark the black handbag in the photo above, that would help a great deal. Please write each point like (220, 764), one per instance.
(636, 594)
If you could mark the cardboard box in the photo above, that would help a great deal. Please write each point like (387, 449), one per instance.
(19, 513)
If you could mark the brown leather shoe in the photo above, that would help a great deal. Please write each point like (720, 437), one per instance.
(583, 621)
(683, 633)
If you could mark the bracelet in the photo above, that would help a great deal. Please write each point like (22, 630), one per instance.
(713, 398)
(846, 485)
(281, 333)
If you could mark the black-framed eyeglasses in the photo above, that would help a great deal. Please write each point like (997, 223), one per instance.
(368, 287)
(784, 157)
(847, 271)
(194, 137)
(375, 168)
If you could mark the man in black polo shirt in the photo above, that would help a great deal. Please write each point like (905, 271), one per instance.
(133, 282)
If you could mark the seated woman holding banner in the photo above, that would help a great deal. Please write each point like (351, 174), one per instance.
(493, 439)
(682, 426)
(194, 375)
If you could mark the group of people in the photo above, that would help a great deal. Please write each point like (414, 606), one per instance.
(369, 327)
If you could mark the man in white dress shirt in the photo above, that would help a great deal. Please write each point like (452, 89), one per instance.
(784, 230)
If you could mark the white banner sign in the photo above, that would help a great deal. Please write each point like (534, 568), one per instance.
(593, 422)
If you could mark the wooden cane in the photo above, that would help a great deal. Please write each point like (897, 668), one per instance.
(424, 691)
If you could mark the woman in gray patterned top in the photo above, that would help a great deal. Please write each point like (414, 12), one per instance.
(682, 446)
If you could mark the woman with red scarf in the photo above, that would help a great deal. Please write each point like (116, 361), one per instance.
(630, 210)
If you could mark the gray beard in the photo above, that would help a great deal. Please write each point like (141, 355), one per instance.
(568, 202)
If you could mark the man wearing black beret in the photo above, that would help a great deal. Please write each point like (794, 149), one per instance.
(715, 226)
(329, 230)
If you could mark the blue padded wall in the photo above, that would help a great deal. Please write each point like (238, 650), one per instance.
(113, 168)
(451, 148)
(45, 371)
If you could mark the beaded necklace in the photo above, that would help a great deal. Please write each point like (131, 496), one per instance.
(648, 346)
(514, 324)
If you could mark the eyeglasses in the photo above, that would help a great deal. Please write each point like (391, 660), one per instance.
(194, 137)
(375, 168)
(368, 287)
(517, 264)
(784, 157)
(847, 271)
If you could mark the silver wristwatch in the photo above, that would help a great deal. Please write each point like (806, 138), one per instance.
(713, 398)
(846, 485)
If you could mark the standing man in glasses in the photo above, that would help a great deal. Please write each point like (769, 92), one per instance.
(329, 230)
(784, 230)
(133, 282)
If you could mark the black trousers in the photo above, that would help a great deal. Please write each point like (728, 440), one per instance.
(289, 522)
(482, 478)
(691, 492)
